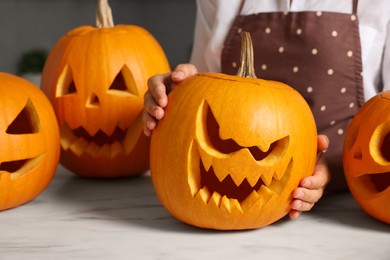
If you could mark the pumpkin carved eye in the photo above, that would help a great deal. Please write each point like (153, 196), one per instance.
(124, 82)
(229, 145)
(26, 122)
(65, 85)
(379, 144)
(385, 148)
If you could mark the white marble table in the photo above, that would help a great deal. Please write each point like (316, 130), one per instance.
(77, 218)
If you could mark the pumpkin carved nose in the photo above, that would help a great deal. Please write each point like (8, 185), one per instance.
(93, 101)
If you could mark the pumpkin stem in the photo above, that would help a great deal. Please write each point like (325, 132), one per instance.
(246, 68)
(104, 15)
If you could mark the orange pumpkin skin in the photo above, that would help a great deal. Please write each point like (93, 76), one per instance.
(96, 79)
(367, 157)
(206, 164)
(29, 141)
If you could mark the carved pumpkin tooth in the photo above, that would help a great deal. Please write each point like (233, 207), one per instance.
(280, 172)
(221, 174)
(105, 150)
(116, 148)
(203, 195)
(68, 138)
(265, 194)
(235, 205)
(253, 198)
(79, 146)
(253, 179)
(92, 149)
(238, 179)
(216, 199)
(277, 186)
(267, 178)
(225, 204)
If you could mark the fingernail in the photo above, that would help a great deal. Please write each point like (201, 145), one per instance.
(178, 74)
(158, 114)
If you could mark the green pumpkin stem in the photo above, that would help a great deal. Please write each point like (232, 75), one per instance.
(246, 68)
(104, 15)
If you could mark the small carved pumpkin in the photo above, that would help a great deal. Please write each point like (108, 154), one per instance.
(367, 157)
(230, 150)
(95, 78)
(29, 141)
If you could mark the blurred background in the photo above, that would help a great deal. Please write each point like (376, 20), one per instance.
(29, 28)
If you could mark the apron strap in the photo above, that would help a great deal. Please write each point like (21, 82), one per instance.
(241, 6)
(354, 8)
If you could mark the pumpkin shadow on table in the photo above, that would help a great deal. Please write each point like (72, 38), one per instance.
(131, 200)
(342, 209)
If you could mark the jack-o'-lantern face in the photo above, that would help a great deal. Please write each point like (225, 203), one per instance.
(218, 176)
(230, 150)
(25, 122)
(367, 157)
(96, 80)
(29, 140)
(108, 112)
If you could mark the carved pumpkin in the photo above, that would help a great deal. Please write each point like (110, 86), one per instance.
(95, 78)
(367, 157)
(230, 150)
(29, 141)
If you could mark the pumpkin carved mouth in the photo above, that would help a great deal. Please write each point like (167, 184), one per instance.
(228, 195)
(17, 168)
(101, 138)
(120, 141)
(216, 179)
(379, 181)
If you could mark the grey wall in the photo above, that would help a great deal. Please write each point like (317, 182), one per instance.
(30, 24)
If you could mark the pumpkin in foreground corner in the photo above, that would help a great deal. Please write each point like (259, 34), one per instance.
(367, 157)
(29, 141)
(231, 149)
(96, 77)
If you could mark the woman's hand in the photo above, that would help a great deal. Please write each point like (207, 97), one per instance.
(156, 98)
(312, 187)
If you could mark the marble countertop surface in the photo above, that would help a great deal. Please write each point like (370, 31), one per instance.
(76, 218)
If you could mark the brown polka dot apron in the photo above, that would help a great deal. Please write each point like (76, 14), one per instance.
(317, 53)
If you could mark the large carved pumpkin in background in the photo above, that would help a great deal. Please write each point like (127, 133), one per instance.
(367, 157)
(29, 141)
(95, 78)
(230, 150)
